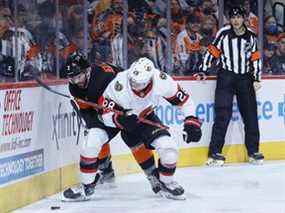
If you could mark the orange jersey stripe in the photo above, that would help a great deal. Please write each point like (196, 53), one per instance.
(214, 51)
(255, 56)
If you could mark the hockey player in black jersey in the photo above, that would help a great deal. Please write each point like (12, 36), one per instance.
(88, 82)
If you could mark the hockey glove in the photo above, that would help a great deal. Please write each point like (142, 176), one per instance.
(192, 126)
(126, 122)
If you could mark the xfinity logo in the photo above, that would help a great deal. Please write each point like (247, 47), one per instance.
(64, 125)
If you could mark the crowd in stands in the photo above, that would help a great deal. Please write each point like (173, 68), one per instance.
(47, 33)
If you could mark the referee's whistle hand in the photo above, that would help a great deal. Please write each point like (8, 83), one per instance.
(256, 85)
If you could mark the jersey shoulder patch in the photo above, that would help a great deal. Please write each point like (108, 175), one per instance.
(163, 76)
(118, 86)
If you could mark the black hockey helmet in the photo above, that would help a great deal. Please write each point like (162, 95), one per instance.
(76, 63)
(236, 10)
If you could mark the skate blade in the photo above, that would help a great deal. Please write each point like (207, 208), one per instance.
(75, 200)
(106, 185)
(255, 162)
(79, 199)
(215, 163)
(171, 197)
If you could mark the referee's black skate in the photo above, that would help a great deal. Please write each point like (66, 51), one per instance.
(256, 158)
(215, 159)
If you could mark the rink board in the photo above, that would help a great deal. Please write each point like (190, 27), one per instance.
(38, 157)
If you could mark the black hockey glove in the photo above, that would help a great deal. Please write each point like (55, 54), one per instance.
(126, 122)
(192, 126)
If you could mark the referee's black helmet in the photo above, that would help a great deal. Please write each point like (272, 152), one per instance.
(236, 10)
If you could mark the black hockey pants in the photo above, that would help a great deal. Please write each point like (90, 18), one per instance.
(241, 85)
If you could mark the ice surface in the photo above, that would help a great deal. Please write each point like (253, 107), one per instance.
(235, 188)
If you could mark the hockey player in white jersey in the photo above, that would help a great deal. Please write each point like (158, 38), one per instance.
(137, 91)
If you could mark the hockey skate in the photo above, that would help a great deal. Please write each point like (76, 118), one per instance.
(80, 193)
(154, 182)
(172, 190)
(106, 179)
(83, 192)
(216, 159)
(256, 158)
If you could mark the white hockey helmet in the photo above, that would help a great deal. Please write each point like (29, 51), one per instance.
(141, 73)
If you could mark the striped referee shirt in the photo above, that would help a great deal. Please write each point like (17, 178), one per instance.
(8, 45)
(236, 53)
(21, 47)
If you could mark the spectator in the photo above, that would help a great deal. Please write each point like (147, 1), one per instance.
(177, 24)
(154, 48)
(139, 22)
(269, 58)
(251, 19)
(269, 7)
(104, 29)
(209, 28)
(178, 18)
(188, 47)
(117, 44)
(279, 62)
(208, 8)
(45, 33)
(157, 6)
(74, 19)
(271, 30)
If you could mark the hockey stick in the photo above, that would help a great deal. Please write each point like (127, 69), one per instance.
(50, 89)
(72, 102)
(100, 107)
(94, 105)
(80, 121)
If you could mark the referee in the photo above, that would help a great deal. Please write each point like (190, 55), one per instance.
(235, 47)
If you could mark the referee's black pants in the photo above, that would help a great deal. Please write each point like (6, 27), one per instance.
(228, 85)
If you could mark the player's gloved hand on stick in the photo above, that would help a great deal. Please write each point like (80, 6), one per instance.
(192, 126)
(126, 121)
